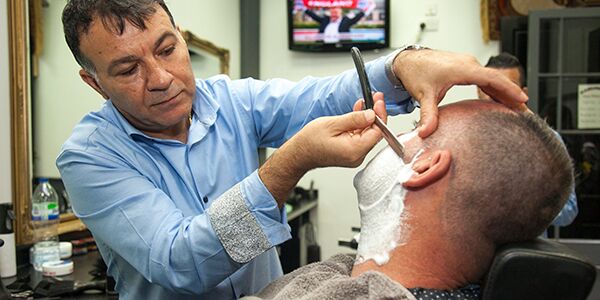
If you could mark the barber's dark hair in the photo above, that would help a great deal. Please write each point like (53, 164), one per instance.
(510, 177)
(78, 15)
(507, 61)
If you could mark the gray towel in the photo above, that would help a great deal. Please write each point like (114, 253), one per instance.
(331, 280)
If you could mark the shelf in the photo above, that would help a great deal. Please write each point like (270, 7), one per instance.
(302, 208)
(67, 217)
(70, 226)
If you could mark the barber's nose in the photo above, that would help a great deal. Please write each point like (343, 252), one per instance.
(159, 78)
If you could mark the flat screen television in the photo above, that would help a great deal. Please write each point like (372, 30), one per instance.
(338, 25)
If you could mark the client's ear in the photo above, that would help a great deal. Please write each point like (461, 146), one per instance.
(429, 167)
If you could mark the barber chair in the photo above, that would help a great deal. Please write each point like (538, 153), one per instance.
(541, 269)
(538, 269)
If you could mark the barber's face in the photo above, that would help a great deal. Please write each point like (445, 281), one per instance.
(146, 73)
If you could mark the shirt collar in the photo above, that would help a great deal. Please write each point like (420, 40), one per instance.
(204, 115)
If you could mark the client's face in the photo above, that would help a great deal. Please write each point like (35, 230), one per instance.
(381, 202)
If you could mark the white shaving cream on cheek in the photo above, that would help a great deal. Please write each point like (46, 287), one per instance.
(381, 203)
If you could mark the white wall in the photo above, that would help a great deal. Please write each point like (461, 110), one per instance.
(5, 172)
(61, 99)
(216, 21)
(459, 31)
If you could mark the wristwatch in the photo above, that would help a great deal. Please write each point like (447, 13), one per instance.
(389, 63)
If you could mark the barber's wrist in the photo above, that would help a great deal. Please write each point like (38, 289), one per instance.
(282, 171)
(392, 64)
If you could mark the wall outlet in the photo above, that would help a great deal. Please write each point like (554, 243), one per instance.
(430, 24)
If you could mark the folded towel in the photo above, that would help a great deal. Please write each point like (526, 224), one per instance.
(331, 279)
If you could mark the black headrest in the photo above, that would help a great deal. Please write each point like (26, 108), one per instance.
(539, 269)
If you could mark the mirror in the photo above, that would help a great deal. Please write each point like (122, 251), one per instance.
(48, 98)
(207, 58)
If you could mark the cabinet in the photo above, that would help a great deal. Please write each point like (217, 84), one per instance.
(563, 71)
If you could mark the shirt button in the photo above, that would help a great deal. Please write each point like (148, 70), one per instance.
(205, 199)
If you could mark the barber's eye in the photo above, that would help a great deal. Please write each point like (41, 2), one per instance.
(129, 71)
(168, 51)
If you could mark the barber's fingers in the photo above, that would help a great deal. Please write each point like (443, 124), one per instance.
(351, 121)
(362, 141)
(429, 115)
(358, 105)
(379, 106)
(499, 87)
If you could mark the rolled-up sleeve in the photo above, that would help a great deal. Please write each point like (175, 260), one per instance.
(247, 220)
(140, 223)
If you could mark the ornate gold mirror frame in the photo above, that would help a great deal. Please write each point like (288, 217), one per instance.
(20, 124)
(195, 42)
(21, 169)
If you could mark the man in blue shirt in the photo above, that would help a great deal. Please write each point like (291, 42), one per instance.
(166, 176)
(509, 66)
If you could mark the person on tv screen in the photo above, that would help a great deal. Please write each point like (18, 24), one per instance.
(331, 27)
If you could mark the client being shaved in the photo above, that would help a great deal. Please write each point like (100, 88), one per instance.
(381, 203)
(432, 220)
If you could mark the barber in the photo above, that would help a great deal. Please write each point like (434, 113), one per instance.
(165, 175)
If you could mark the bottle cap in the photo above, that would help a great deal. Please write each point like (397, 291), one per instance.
(42, 179)
(57, 268)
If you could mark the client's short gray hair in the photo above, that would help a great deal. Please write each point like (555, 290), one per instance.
(511, 175)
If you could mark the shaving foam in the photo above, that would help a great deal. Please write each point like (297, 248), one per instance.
(407, 137)
(381, 204)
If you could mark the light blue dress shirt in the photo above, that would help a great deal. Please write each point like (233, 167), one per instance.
(194, 220)
(568, 213)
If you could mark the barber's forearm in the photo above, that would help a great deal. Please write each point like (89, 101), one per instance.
(282, 171)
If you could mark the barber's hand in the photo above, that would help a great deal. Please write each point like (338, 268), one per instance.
(341, 141)
(428, 74)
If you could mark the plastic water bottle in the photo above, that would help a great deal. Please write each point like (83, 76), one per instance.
(44, 218)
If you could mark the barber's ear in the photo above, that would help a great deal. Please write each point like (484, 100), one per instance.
(180, 32)
(429, 167)
(91, 81)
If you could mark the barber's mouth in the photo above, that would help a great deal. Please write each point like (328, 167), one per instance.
(168, 101)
